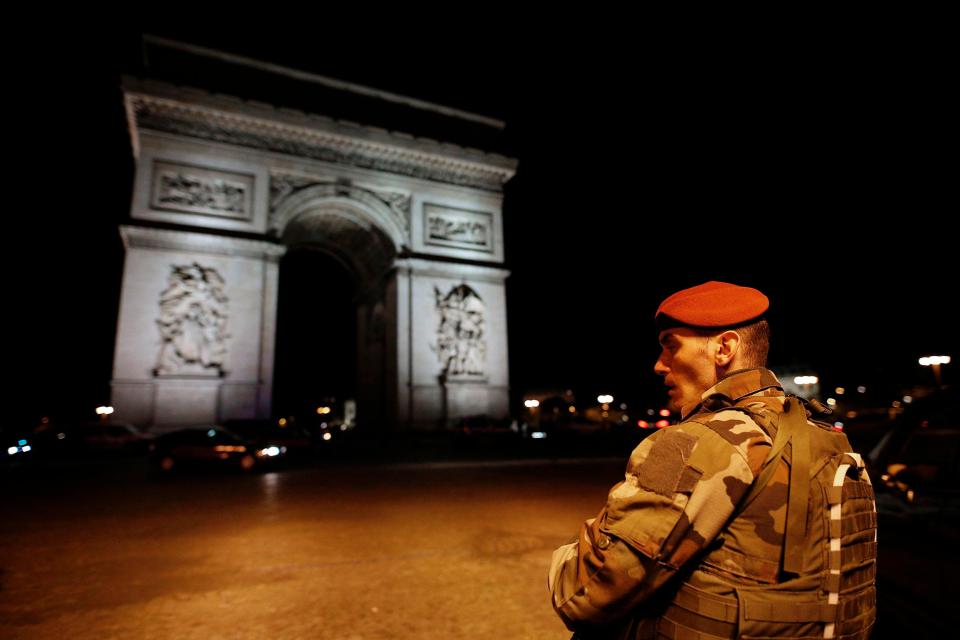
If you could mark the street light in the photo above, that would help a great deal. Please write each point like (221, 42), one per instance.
(533, 410)
(604, 399)
(807, 385)
(935, 362)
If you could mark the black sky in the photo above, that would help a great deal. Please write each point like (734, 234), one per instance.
(825, 182)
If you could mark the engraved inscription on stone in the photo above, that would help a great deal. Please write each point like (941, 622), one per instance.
(461, 344)
(193, 323)
(204, 191)
(459, 228)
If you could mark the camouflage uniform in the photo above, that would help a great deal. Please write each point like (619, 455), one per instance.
(676, 546)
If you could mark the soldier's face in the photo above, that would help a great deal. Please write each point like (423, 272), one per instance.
(687, 367)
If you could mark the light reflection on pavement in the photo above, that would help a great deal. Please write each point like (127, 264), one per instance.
(365, 552)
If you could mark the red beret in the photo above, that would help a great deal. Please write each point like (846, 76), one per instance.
(712, 304)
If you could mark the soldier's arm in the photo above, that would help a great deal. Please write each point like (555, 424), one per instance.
(680, 487)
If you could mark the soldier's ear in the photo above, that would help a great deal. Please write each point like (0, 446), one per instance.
(726, 347)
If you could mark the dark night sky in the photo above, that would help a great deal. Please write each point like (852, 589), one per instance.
(823, 182)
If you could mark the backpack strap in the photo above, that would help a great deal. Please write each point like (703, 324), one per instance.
(794, 422)
(791, 429)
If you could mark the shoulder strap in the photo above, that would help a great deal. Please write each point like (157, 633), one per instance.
(791, 429)
(794, 421)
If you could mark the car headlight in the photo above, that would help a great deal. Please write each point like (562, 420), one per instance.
(20, 447)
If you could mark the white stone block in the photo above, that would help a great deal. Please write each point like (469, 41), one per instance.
(238, 400)
(186, 402)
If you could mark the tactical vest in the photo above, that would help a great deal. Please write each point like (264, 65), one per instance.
(822, 585)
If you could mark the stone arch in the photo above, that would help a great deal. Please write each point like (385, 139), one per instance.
(389, 213)
(340, 230)
(363, 234)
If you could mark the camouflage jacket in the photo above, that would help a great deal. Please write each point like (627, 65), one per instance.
(681, 486)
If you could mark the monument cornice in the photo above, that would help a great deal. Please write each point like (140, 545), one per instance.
(192, 113)
(173, 240)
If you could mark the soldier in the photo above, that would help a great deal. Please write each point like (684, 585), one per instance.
(746, 519)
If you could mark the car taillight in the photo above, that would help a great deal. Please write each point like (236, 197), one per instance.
(229, 448)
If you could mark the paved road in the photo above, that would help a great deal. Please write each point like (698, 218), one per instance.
(356, 552)
(348, 552)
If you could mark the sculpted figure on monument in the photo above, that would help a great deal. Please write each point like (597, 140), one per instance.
(461, 344)
(193, 322)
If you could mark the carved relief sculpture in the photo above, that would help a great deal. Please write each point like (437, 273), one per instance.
(461, 343)
(458, 231)
(459, 228)
(193, 322)
(186, 191)
(205, 191)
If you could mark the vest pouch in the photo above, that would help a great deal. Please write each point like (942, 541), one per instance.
(782, 614)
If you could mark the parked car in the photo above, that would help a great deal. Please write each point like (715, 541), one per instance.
(118, 437)
(297, 443)
(209, 447)
(916, 473)
(16, 445)
(918, 458)
(486, 433)
(75, 440)
(480, 425)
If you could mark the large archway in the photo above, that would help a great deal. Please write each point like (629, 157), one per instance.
(316, 344)
(332, 336)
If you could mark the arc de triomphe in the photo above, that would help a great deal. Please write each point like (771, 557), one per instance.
(224, 187)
